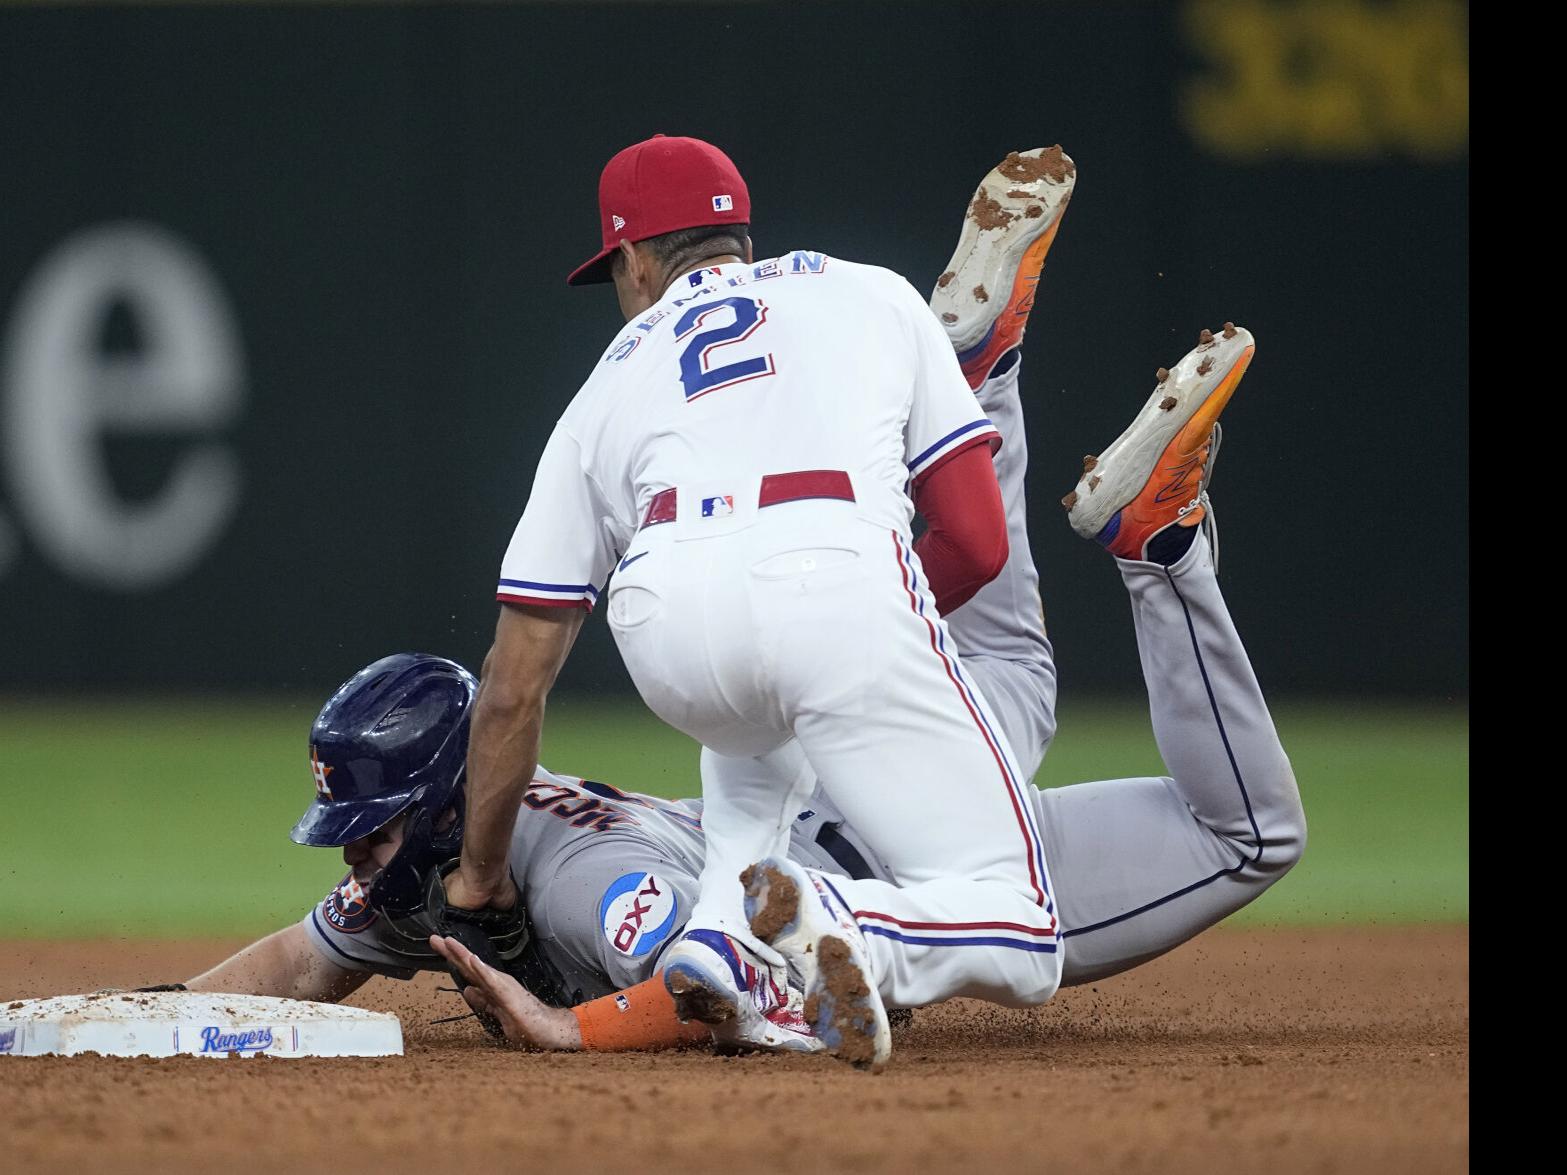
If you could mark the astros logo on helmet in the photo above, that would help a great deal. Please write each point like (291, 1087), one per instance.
(320, 770)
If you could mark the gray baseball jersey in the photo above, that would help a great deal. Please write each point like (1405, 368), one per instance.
(608, 877)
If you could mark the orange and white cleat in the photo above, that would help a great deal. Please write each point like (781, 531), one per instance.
(1144, 496)
(984, 295)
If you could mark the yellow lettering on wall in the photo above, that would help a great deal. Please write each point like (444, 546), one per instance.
(1329, 78)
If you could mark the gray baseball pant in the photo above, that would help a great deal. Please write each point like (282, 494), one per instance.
(1139, 865)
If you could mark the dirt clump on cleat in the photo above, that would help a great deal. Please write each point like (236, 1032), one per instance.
(694, 1001)
(1162, 374)
(1229, 330)
(1070, 500)
(782, 900)
(1089, 461)
(849, 1014)
(988, 213)
(1205, 339)
(1167, 403)
(1051, 164)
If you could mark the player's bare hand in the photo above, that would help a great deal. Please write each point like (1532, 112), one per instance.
(523, 1017)
(465, 894)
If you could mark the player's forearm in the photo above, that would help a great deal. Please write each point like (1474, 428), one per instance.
(503, 753)
(531, 644)
(282, 964)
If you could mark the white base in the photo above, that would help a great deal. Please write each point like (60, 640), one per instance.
(178, 1023)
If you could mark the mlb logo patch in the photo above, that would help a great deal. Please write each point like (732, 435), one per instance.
(723, 204)
(720, 507)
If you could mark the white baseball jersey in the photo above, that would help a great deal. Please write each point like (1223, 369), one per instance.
(803, 362)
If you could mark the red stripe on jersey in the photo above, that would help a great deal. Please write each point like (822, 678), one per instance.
(1042, 932)
(1006, 777)
(541, 602)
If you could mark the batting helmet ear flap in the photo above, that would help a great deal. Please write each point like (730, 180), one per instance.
(428, 839)
(399, 886)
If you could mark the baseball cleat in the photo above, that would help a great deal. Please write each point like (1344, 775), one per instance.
(801, 916)
(1153, 478)
(716, 981)
(984, 295)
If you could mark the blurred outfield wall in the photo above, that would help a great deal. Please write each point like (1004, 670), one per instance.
(283, 321)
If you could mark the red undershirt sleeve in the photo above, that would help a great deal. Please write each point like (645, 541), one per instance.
(964, 546)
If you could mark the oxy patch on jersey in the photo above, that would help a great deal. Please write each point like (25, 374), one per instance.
(637, 913)
(347, 907)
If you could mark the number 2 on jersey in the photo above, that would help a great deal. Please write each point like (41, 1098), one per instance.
(696, 371)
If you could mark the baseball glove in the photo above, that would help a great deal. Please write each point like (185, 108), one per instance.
(498, 937)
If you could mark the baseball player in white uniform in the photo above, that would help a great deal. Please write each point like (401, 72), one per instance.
(742, 458)
(746, 458)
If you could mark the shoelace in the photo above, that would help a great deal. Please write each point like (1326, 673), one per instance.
(469, 1015)
(1210, 524)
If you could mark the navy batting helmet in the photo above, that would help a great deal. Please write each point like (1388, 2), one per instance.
(393, 739)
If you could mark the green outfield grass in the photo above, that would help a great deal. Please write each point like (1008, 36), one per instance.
(172, 818)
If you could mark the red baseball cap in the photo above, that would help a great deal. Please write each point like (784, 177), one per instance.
(661, 185)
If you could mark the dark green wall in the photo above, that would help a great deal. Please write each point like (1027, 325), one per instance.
(390, 198)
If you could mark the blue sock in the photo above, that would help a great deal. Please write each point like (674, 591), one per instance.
(1171, 543)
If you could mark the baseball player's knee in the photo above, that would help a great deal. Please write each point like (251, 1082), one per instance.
(1289, 834)
(1282, 831)
(1029, 714)
(1037, 982)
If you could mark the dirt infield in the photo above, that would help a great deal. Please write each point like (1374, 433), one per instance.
(1281, 1051)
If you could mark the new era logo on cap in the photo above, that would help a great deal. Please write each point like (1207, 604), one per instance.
(723, 203)
(618, 221)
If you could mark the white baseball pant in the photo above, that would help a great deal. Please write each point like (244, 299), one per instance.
(802, 641)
